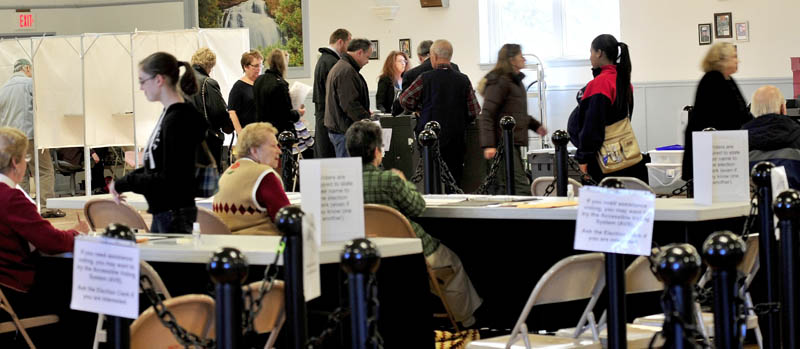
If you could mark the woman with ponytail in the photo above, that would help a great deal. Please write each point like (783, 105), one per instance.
(167, 179)
(605, 100)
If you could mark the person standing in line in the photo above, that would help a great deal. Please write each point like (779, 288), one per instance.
(391, 80)
(346, 94)
(167, 179)
(208, 100)
(504, 94)
(340, 38)
(241, 99)
(271, 91)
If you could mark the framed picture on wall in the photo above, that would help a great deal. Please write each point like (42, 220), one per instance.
(742, 31)
(704, 34)
(722, 25)
(375, 50)
(405, 47)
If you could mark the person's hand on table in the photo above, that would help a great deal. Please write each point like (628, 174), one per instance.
(399, 173)
(488, 153)
(81, 226)
(118, 198)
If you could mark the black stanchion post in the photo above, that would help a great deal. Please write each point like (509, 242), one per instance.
(723, 251)
(119, 328)
(289, 221)
(507, 124)
(428, 138)
(787, 208)
(678, 266)
(615, 283)
(359, 259)
(287, 140)
(228, 268)
(560, 139)
(436, 170)
(767, 254)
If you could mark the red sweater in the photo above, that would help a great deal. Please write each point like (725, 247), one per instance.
(20, 224)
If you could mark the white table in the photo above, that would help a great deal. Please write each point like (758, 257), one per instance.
(258, 249)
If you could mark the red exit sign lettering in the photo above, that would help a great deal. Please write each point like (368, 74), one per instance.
(26, 21)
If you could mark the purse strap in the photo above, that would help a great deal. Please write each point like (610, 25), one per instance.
(203, 96)
(212, 162)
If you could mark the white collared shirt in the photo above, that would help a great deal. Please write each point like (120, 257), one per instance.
(334, 51)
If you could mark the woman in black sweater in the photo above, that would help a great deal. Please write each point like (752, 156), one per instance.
(167, 179)
(718, 102)
(390, 80)
(273, 103)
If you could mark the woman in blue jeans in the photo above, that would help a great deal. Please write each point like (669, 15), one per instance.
(167, 179)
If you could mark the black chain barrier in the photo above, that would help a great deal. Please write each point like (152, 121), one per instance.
(374, 304)
(254, 305)
(334, 321)
(184, 337)
(449, 181)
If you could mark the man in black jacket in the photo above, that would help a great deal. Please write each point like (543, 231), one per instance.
(346, 94)
(423, 54)
(323, 148)
(771, 129)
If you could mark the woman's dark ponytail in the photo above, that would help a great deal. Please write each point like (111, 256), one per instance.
(188, 80)
(624, 93)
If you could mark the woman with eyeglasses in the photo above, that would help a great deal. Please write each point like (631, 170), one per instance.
(241, 100)
(167, 179)
(390, 81)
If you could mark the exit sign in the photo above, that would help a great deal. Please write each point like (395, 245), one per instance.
(25, 20)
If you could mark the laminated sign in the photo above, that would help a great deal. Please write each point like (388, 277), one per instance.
(720, 160)
(333, 195)
(615, 221)
(105, 276)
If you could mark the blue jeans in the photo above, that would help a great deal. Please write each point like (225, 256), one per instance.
(174, 221)
(339, 145)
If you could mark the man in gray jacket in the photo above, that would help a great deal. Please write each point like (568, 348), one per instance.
(346, 94)
(16, 110)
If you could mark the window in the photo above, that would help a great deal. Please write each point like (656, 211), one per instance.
(551, 29)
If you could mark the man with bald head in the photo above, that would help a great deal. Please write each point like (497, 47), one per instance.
(446, 96)
(771, 129)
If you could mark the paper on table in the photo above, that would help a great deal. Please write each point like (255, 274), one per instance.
(311, 278)
(721, 167)
(105, 276)
(551, 204)
(298, 92)
(615, 221)
(333, 193)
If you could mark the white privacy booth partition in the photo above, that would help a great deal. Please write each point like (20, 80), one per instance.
(10, 51)
(228, 45)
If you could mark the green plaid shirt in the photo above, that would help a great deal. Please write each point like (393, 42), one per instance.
(387, 188)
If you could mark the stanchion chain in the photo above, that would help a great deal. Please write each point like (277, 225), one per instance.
(491, 178)
(254, 306)
(445, 176)
(184, 337)
(334, 320)
(584, 176)
(550, 188)
(418, 173)
(751, 218)
(374, 340)
(690, 332)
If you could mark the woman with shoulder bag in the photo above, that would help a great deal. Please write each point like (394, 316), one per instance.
(209, 101)
(167, 179)
(600, 126)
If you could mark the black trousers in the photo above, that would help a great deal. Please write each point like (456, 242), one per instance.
(323, 148)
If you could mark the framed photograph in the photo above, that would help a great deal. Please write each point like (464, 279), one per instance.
(405, 47)
(704, 34)
(375, 50)
(742, 31)
(722, 25)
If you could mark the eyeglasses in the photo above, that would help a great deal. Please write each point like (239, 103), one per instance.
(28, 157)
(141, 82)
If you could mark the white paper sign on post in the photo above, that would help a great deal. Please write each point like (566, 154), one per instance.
(615, 221)
(721, 167)
(311, 278)
(333, 194)
(105, 276)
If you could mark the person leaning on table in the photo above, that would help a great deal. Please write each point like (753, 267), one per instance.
(250, 191)
(24, 233)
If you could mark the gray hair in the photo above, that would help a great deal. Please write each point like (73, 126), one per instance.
(424, 48)
(443, 49)
(359, 44)
(766, 100)
(21, 63)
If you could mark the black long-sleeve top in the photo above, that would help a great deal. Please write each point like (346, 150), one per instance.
(273, 103)
(384, 98)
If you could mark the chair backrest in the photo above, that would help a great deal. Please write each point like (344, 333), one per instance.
(210, 223)
(749, 264)
(384, 221)
(539, 185)
(194, 312)
(572, 278)
(102, 212)
(639, 278)
(631, 183)
(145, 269)
(270, 318)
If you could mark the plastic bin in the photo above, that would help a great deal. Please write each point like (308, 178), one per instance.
(664, 178)
(666, 156)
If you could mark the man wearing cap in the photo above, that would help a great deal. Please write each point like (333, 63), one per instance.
(16, 110)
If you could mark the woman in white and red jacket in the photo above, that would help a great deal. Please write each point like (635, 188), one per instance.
(602, 103)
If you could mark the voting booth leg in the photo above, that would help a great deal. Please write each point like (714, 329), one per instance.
(228, 268)
(507, 123)
(428, 138)
(678, 266)
(119, 332)
(359, 260)
(767, 254)
(289, 221)
(560, 138)
(723, 251)
(787, 207)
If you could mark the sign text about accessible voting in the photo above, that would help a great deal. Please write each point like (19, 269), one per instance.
(613, 220)
(105, 277)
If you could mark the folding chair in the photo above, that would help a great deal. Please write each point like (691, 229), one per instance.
(210, 223)
(631, 183)
(384, 221)
(272, 315)
(194, 312)
(17, 324)
(102, 212)
(572, 278)
(540, 184)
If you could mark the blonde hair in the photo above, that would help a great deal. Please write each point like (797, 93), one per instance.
(277, 61)
(253, 135)
(205, 58)
(13, 146)
(717, 55)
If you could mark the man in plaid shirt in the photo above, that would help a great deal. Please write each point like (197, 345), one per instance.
(390, 188)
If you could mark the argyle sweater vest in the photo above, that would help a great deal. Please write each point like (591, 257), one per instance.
(236, 203)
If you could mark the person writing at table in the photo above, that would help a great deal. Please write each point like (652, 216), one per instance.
(24, 233)
(250, 191)
(167, 179)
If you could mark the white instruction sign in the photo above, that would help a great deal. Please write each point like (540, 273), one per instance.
(333, 194)
(105, 276)
(615, 221)
(311, 279)
(721, 167)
